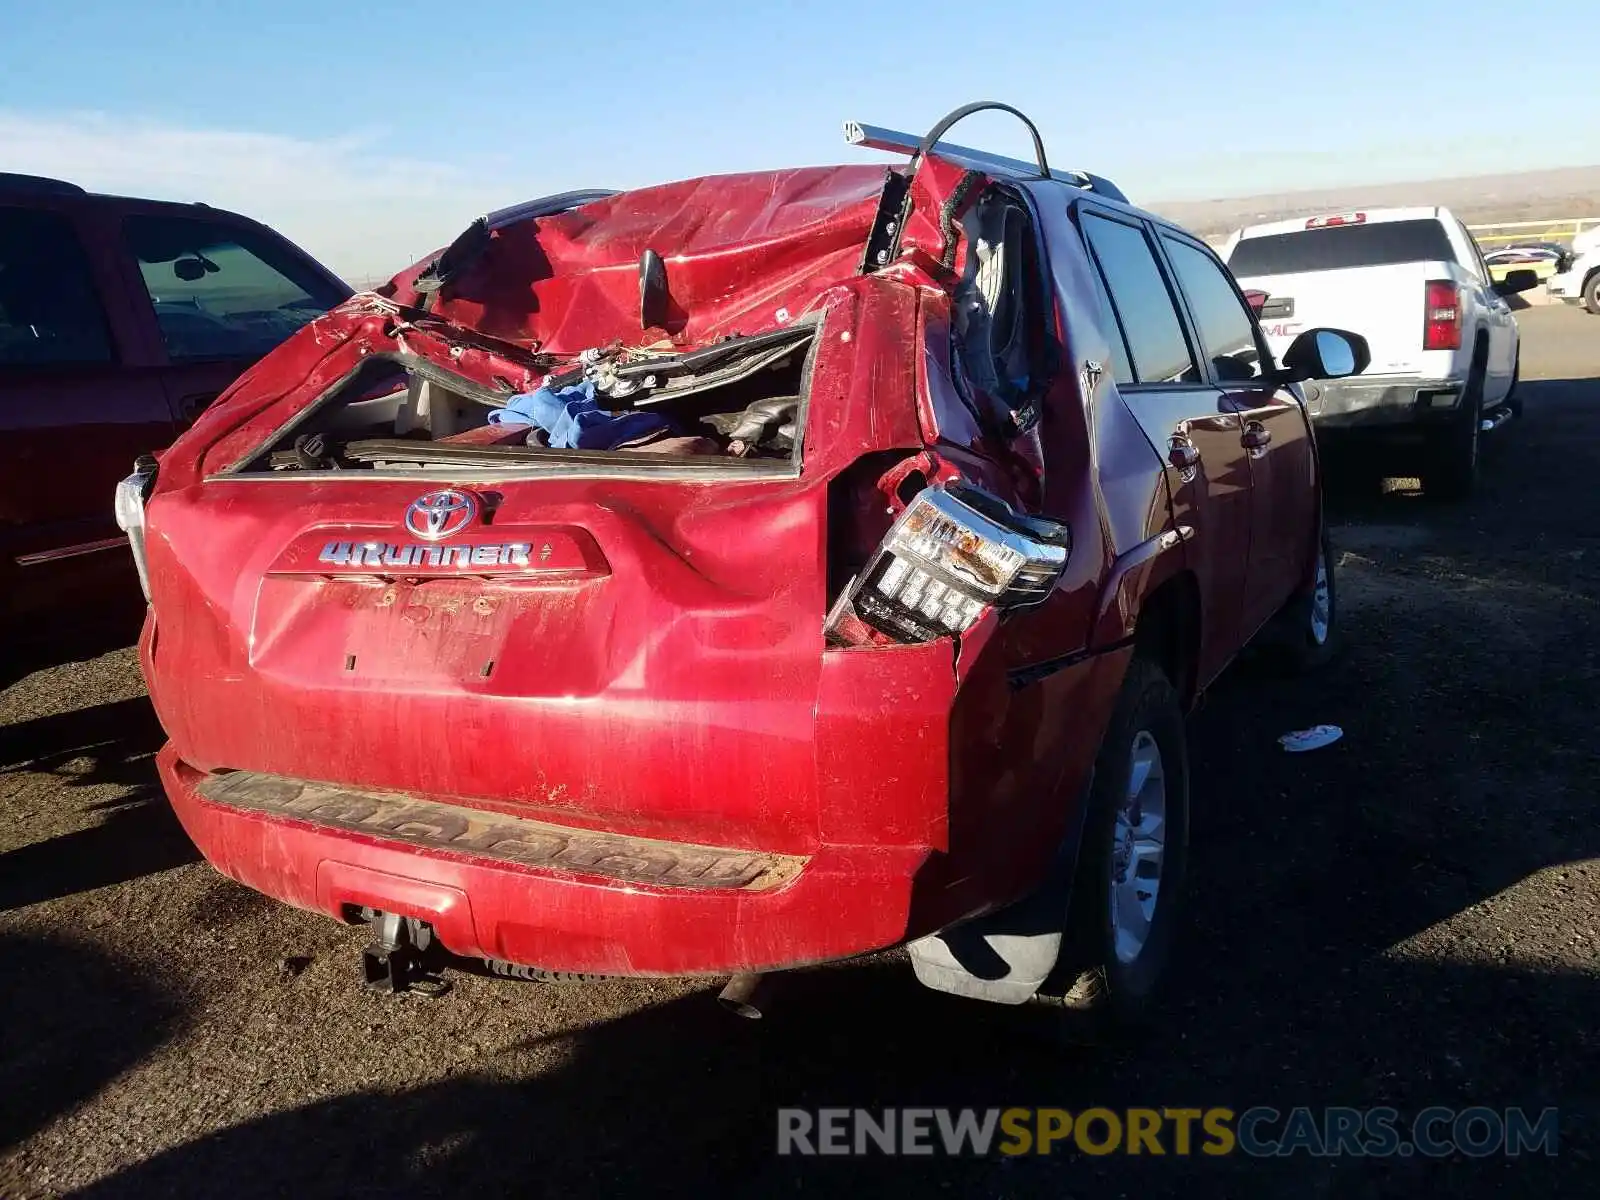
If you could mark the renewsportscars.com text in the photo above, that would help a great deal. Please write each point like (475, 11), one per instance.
(1259, 1132)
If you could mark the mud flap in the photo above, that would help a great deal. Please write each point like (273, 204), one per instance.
(1004, 957)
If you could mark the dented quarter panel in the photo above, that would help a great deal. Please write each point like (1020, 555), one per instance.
(1039, 688)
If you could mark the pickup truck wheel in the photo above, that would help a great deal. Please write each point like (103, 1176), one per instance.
(1450, 470)
(1591, 293)
(1306, 633)
(1128, 889)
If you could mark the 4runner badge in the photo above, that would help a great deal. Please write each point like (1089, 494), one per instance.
(386, 556)
(438, 515)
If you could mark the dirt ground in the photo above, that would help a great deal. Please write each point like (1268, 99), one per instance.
(1409, 917)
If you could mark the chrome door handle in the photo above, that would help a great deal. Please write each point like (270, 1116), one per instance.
(1182, 453)
(1255, 436)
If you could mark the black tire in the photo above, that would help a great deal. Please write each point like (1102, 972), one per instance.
(1303, 642)
(1101, 989)
(1591, 293)
(1450, 467)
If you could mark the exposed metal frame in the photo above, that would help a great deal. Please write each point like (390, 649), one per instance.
(546, 206)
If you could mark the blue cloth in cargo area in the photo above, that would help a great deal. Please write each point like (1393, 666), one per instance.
(574, 420)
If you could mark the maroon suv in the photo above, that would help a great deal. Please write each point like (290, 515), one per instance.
(120, 320)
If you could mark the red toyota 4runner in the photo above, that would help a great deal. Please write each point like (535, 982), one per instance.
(120, 320)
(742, 573)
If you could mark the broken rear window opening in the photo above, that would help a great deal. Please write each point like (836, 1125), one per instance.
(1003, 347)
(738, 404)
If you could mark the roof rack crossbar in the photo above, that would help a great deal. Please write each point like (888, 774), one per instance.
(876, 137)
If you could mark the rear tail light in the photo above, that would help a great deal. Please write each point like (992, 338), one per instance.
(955, 552)
(1255, 299)
(1336, 219)
(1442, 322)
(132, 493)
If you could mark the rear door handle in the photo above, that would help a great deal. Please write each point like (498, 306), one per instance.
(1184, 455)
(1255, 437)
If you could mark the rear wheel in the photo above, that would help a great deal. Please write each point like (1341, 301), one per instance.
(1128, 889)
(1591, 293)
(1450, 469)
(1307, 630)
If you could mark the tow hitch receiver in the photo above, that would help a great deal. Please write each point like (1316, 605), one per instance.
(403, 957)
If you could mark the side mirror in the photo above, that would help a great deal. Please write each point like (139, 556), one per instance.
(1326, 354)
(1521, 280)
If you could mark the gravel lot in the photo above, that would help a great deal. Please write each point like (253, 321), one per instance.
(1409, 917)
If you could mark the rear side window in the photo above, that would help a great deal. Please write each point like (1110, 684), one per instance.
(50, 312)
(1339, 246)
(224, 291)
(1144, 306)
(1226, 328)
(1478, 265)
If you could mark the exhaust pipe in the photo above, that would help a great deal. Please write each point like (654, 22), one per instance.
(745, 996)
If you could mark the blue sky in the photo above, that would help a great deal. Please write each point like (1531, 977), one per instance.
(371, 132)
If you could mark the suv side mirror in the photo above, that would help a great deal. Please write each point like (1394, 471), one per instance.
(1326, 354)
(1521, 280)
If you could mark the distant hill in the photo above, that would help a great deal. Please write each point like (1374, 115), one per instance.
(1477, 200)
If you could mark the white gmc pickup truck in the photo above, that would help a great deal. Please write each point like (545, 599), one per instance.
(1413, 282)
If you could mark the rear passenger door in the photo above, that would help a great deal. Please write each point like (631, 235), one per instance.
(1276, 434)
(77, 405)
(1194, 429)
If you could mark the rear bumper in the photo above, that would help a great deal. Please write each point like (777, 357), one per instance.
(838, 902)
(1387, 402)
(1566, 286)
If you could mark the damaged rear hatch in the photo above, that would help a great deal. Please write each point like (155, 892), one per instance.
(543, 524)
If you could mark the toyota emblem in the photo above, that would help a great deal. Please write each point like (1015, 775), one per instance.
(438, 515)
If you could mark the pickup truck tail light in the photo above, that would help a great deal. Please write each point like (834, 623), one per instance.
(1442, 317)
(132, 493)
(953, 553)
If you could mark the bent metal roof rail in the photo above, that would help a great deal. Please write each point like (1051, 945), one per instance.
(876, 137)
(546, 206)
